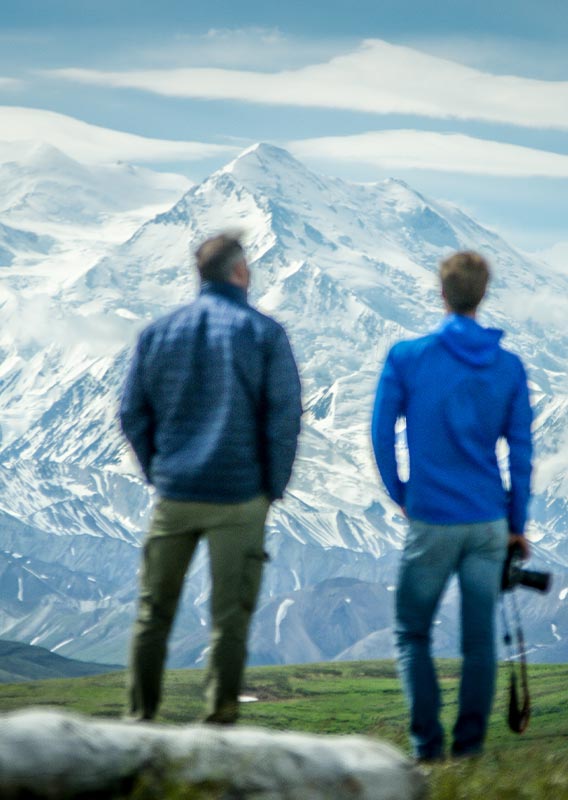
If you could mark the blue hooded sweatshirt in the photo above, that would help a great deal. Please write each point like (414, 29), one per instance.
(459, 392)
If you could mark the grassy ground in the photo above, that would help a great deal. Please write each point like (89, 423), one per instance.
(358, 697)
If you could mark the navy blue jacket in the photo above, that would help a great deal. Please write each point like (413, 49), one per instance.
(459, 391)
(211, 404)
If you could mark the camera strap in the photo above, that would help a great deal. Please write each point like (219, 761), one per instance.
(519, 709)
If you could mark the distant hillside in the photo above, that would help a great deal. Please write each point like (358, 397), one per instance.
(23, 662)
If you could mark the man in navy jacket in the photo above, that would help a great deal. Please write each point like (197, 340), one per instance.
(459, 392)
(212, 409)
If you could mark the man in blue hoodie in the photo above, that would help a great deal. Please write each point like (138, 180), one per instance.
(212, 409)
(459, 392)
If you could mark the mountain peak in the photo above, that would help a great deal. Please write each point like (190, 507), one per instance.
(262, 158)
(45, 157)
(264, 150)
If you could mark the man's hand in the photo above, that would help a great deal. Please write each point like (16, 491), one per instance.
(522, 543)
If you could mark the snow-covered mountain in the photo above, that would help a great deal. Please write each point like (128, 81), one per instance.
(349, 269)
(45, 185)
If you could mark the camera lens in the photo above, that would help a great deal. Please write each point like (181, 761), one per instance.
(540, 581)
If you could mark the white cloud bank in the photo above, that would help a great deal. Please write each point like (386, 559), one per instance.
(557, 257)
(546, 306)
(377, 77)
(93, 144)
(442, 152)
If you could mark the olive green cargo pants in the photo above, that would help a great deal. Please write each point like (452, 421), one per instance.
(235, 537)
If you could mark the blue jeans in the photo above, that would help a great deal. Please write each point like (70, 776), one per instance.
(431, 555)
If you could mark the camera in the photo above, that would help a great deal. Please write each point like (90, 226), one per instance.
(514, 575)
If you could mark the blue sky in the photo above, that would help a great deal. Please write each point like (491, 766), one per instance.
(465, 101)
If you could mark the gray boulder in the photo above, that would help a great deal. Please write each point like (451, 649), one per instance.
(51, 754)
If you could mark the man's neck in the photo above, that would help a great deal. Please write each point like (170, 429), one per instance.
(469, 314)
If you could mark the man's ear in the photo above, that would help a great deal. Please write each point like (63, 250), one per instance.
(240, 275)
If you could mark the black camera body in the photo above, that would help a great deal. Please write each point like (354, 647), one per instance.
(514, 574)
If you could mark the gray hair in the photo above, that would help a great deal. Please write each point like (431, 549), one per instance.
(217, 256)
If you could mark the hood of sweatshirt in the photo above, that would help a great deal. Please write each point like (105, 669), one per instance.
(469, 341)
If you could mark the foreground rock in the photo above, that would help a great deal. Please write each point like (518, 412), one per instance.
(50, 754)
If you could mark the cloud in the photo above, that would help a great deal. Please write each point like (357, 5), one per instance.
(377, 77)
(254, 48)
(556, 257)
(501, 54)
(93, 144)
(443, 152)
(36, 320)
(10, 83)
(549, 307)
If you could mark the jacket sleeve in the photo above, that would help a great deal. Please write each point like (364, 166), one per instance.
(388, 407)
(518, 435)
(136, 416)
(283, 410)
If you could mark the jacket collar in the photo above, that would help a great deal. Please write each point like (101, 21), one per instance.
(468, 341)
(226, 290)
